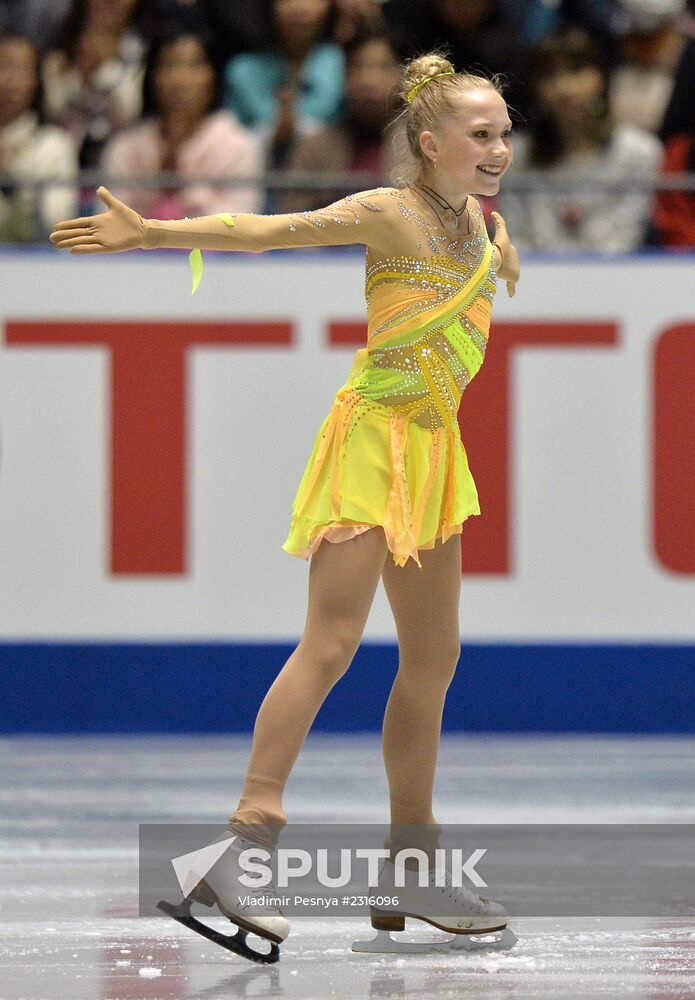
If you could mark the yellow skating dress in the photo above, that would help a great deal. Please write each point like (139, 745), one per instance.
(389, 451)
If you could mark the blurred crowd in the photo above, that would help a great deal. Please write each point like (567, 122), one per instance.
(218, 96)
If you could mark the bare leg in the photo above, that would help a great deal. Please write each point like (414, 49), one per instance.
(343, 577)
(425, 605)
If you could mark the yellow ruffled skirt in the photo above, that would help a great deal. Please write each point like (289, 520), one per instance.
(370, 466)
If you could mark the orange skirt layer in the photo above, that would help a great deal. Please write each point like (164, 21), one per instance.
(370, 466)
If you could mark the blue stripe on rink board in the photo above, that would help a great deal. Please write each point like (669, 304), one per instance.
(218, 687)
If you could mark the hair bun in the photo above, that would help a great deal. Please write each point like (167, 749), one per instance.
(417, 71)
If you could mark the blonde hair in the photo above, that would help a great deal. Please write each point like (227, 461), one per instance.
(429, 85)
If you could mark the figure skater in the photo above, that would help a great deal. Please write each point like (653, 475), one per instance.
(387, 486)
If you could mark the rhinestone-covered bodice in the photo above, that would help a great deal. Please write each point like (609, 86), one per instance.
(428, 313)
(428, 324)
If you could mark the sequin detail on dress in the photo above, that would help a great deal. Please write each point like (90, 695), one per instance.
(320, 216)
(390, 453)
(427, 339)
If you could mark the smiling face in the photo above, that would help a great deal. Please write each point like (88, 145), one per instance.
(472, 145)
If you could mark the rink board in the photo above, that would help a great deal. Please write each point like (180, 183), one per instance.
(151, 444)
(83, 688)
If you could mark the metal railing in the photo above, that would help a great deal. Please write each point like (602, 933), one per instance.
(22, 221)
(285, 180)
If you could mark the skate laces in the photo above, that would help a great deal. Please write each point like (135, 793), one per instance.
(269, 887)
(460, 893)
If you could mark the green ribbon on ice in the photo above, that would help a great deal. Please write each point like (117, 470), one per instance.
(195, 257)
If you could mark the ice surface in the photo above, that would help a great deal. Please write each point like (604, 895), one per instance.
(69, 815)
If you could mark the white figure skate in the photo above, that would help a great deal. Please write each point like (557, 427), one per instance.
(219, 884)
(476, 922)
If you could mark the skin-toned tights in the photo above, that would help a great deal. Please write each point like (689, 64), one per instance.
(343, 578)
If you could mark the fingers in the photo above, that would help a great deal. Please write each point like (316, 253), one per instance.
(89, 248)
(57, 236)
(76, 241)
(110, 200)
(499, 221)
(511, 288)
(88, 220)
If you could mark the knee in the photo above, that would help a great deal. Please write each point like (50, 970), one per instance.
(331, 654)
(434, 665)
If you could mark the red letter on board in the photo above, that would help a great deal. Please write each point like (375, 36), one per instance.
(484, 417)
(673, 449)
(148, 424)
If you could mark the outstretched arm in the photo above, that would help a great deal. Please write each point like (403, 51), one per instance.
(355, 219)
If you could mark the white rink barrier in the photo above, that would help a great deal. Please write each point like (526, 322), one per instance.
(151, 444)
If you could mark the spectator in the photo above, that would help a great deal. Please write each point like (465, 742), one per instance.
(170, 16)
(605, 21)
(92, 77)
(478, 37)
(530, 20)
(412, 18)
(642, 80)
(364, 141)
(680, 112)
(36, 19)
(295, 85)
(30, 150)
(186, 130)
(674, 212)
(241, 27)
(477, 32)
(356, 17)
(573, 138)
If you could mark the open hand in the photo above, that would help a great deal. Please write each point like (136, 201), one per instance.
(510, 268)
(119, 228)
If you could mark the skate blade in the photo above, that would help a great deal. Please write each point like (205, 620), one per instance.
(384, 943)
(232, 942)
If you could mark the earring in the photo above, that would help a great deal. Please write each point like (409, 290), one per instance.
(434, 164)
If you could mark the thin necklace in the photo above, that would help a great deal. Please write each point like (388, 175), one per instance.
(449, 211)
(443, 202)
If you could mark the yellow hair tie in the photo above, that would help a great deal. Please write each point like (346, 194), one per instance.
(411, 93)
